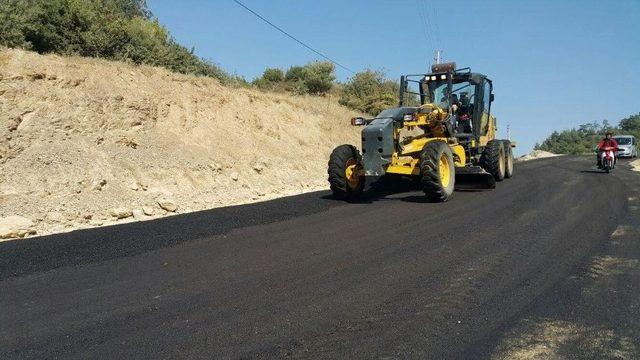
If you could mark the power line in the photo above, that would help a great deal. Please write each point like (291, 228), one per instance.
(425, 23)
(435, 22)
(431, 36)
(293, 37)
(430, 22)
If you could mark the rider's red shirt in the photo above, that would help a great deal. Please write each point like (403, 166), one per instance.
(608, 143)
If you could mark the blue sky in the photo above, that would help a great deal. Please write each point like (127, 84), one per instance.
(555, 64)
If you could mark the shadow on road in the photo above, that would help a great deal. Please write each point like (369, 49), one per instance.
(619, 162)
(592, 171)
(398, 187)
(382, 187)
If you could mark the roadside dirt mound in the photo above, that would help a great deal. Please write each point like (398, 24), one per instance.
(537, 154)
(635, 165)
(87, 142)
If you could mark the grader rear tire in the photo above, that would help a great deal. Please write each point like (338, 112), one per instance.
(438, 171)
(508, 166)
(493, 159)
(343, 165)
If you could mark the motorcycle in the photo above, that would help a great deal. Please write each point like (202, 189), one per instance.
(608, 161)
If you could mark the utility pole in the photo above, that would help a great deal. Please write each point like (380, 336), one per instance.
(437, 57)
(508, 133)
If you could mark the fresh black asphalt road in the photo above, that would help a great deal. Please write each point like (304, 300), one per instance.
(307, 276)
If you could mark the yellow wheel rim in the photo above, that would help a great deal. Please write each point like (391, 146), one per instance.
(351, 173)
(444, 170)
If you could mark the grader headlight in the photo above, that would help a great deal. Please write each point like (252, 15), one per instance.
(358, 121)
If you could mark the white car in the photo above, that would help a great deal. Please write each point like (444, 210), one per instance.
(627, 145)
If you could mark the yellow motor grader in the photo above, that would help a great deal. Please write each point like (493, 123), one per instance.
(451, 138)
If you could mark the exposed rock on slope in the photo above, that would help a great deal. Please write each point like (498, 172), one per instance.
(15, 226)
(81, 138)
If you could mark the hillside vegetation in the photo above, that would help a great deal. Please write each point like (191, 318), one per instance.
(583, 139)
(112, 29)
(125, 30)
(85, 142)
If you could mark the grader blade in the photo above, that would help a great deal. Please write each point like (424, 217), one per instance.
(474, 178)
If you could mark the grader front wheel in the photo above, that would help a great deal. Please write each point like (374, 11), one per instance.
(438, 171)
(345, 180)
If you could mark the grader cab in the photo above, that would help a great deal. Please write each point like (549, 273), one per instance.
(442, 134)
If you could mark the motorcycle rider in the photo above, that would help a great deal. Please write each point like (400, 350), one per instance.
(607, 141)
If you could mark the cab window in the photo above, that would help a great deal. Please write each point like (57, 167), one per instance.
(486, 104)
(464, 95)
(486, 100)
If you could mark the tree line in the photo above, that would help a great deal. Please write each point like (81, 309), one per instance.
(125, 30)
(585, 137)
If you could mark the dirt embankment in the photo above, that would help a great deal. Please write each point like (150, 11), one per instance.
(87, 142)
(537, 154)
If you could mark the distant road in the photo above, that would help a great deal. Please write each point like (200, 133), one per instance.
(309, 276)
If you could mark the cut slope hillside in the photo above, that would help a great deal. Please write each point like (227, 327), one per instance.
(84, 142)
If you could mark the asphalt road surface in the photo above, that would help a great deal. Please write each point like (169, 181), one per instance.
(308, 276)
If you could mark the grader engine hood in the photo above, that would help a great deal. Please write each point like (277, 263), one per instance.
(377, 146)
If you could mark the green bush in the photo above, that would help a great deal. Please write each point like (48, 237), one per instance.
(313, 78)
(298, 87)
(295, 73)
(14, 23)
(370, 92)
(319, 77)
(112, 29)
(271, 79)
(273, 75)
